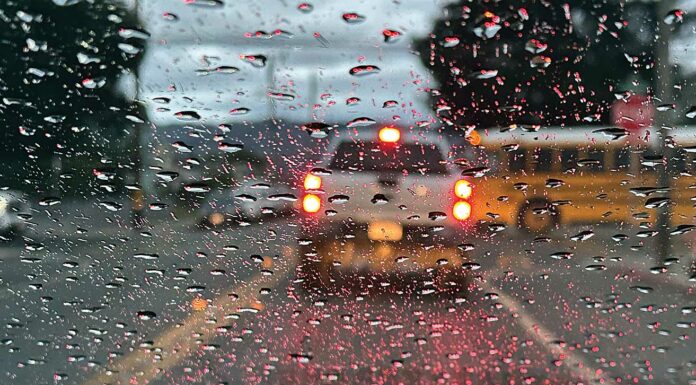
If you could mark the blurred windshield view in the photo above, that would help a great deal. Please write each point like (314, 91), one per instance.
(352, 192)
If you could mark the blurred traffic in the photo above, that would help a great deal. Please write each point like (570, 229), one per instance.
(414, 191)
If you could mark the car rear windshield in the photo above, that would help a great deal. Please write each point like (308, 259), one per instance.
(378, 157)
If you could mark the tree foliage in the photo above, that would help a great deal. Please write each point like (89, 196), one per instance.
(58, 72)
(535, 61)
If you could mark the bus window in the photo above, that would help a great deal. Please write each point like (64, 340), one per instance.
(622, 158)
(569, 159)
(516, 160)
(679, 162)
(594, 160)
(542, 159)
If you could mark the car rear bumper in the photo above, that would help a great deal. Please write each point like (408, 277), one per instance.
(433, 235)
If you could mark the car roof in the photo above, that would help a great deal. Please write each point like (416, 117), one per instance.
(574, 136)
(407, 136)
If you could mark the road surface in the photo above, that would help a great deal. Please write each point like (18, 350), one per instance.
(171, 305)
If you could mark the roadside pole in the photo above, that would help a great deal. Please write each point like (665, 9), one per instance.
(138, 195)
(664, 93)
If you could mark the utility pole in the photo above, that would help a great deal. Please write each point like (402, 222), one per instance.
(138, 195)
(664, 93)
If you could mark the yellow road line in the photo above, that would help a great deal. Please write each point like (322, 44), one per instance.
(183, 339)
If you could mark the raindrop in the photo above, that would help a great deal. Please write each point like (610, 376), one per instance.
(682, 229)
(197, 187)
(168, 16)
(390, 35)
(111, 206)
(305, 7)
(182, 147)
(353, 18)
(287, 197)
(561, 255)
(691, 113)
(281, 96)
(476, 172)
(379, 199)
(167, 176)
(485, 74)
(49, 201)
(674, 16)
(205, 3)
(437, 216)
(230, 147)
(195, 289)
(360, 122)
(132, 33)
(656, 202)
(535, 46)
(364, 70)
(450, 41)
(146, 315)
(224, 70)
(642, 289)
(338, 199)
(583, 235)
(148, 257)
(595, 267)
(352, 101)
(317, 129)
(540, 61)
(257, 61)
(554, 183)
(614, 133)
(187, 116)
(239, 111)
(665, 107)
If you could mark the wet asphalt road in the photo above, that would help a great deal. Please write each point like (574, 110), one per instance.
(119, 308)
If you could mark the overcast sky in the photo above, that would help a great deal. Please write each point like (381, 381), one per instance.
(310, 59)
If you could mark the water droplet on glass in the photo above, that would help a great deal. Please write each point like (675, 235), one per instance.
(257, 61)
(361, 122)
(353, 18)
(674, 16)
(364, 70)
(146, 315)
(230, 147)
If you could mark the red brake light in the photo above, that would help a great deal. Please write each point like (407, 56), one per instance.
(312, 182)
(461, 210)
(311, 203)
(462, 189)
(389, 135)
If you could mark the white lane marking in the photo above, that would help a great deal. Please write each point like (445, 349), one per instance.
(576, 363)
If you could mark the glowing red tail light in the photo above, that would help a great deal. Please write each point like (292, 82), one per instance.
(312, 182)
(462, 191)
(311, 203)
(389, 135)
(461, 210)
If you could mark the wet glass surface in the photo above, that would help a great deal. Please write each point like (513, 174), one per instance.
(367, 192)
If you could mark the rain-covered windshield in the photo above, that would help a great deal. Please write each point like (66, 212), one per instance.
(254, 192)
(385, 157)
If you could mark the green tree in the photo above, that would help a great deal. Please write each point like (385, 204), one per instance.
(536, 62)
(58, 73)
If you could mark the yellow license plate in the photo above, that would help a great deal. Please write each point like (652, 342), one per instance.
(385, 231)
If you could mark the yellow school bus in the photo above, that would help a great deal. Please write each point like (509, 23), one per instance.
(539, 180)
(682, 164)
